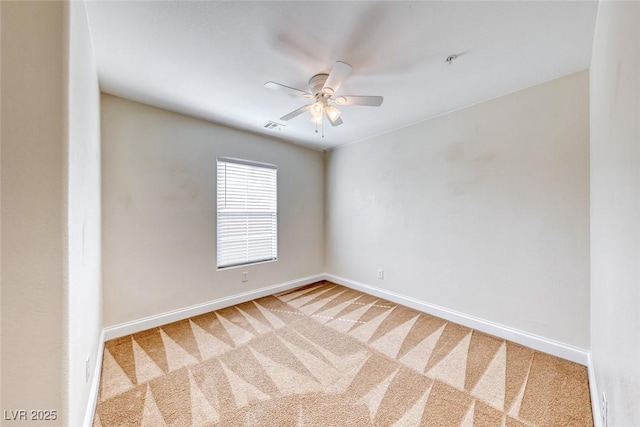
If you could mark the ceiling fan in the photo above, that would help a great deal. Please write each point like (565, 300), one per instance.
(323, 91)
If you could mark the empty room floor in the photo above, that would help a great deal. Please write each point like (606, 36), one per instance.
(326, 355)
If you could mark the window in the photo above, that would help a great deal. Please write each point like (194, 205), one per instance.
(247, 212)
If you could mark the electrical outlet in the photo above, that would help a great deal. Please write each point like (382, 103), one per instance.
(605, 409)
(245, 276)
(87, 368)
(380, 273)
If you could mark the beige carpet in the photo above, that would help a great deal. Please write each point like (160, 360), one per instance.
(325, 355)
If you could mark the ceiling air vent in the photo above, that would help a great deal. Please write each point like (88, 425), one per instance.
(273, 125)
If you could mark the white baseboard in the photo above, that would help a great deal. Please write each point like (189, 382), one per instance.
(595, 396)
(134, 326)
(95, 384)
(545, 345)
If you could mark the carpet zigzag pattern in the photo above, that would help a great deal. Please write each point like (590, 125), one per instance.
(325, 355)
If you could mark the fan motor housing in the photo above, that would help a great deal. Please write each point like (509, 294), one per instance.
(316, 83)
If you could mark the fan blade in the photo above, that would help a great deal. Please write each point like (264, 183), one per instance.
(336, 122)
(337, 75)
(369, 101)
(295, 113)
(288, 89)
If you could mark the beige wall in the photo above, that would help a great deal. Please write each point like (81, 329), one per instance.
(84, 297)
(159, 210)
(34, 244)
(51, 294)
(615, 210)
(484, 211)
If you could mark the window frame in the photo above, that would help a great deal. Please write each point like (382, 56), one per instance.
(231, 160)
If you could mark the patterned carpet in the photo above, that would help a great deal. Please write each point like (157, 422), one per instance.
(325, 355)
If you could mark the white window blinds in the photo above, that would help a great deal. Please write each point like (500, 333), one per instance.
(247, 212)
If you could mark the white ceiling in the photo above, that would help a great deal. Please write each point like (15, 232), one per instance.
(211, 59)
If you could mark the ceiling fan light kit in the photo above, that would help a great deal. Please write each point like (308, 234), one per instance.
(332, 112)
(316, 119)
(323, 87)
(317, 108)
